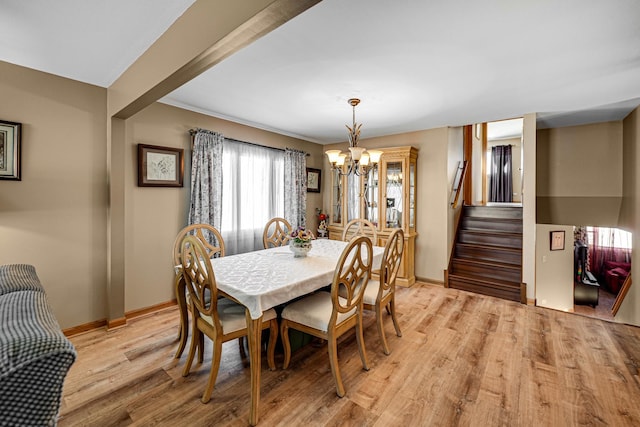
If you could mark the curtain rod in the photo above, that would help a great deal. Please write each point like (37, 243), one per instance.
(196, 130)
(254, 144)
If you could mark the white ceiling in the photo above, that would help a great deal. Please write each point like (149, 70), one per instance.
(415, 64)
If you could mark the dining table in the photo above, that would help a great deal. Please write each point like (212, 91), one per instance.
(266, 278)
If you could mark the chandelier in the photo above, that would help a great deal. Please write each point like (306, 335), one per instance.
(358, 161)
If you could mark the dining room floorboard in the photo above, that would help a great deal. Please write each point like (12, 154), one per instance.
(464, 359)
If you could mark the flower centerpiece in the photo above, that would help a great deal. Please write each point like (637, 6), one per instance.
(300, 242)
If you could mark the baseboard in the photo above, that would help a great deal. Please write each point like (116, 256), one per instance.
(429, 281)
(117, 323)
(148, 310)
(75, 330)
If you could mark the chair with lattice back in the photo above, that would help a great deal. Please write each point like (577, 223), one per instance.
(360, 227)
(220, 319)
(327, 315)
(214, 245)
(381, 293)
(276, 233)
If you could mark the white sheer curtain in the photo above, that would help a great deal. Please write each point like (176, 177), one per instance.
(252, 193)
(206, 178)
(295, 187)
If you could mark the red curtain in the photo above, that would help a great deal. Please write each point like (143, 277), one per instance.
(599, 253)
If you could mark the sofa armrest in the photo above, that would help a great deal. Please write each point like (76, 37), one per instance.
(35, 357)
(19, 277)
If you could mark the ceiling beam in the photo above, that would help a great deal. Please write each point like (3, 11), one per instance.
(208, 32)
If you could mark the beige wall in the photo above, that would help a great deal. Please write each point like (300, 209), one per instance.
(56, 217)
(579, 170)
(154, 216)
(630, 212)
(432, 198)
(554, 269)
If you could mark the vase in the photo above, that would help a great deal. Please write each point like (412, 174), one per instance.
(299, 249)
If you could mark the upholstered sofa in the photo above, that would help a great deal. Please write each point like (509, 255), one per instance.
(615, 273)
(35, 356)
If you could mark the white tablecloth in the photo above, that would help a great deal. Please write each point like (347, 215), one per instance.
(263, 279)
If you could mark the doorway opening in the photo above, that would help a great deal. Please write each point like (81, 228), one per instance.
(602, 263)
(497, 147)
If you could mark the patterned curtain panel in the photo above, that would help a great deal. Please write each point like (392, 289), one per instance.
(295, 187)
(501, 180)
(580, 235)
(206, 179)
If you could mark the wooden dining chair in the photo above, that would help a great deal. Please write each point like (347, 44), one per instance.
(214, 245)
(327, 315)
(381, 293)
(219, 319)
(276, 233)
(360, 227)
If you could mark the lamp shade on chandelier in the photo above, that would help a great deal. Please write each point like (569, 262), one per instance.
(358, 161)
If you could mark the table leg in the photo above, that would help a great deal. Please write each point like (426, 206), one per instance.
(255, 335)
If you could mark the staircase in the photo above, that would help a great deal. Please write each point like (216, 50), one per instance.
(487, 253)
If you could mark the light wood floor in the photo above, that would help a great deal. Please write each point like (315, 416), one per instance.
(463, 359)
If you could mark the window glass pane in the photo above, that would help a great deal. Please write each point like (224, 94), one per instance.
(394, 195)
(371, 196)
(412, 194)
(353, 197)
(252, 193)
(336, 197)
(609, 237)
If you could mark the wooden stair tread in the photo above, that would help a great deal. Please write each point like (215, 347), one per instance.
(494, 218)
(489, 264)
(486, 232)
(491, 247)
(484, 280)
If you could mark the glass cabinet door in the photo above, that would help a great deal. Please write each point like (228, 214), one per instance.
(353, 197)
(412, 195)
(394, 199)
(371, 196)
(336, 197)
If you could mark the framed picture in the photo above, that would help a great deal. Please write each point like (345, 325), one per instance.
(557, 240)
(10, 142)
(313, 180)
(160, 166)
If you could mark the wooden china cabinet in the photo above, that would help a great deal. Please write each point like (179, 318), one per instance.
(386, 197)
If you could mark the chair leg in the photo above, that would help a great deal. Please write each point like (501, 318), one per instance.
(184, 317)
(182, 336)
(392, 304)
(192, 351)
(332, 347)
(383, 338)
(243, 353)
(213, 373)
(200, 348)
(271, 348)
(284, 334)
(360, 339)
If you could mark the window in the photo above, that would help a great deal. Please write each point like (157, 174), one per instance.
(252, 194)
(609, 237)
